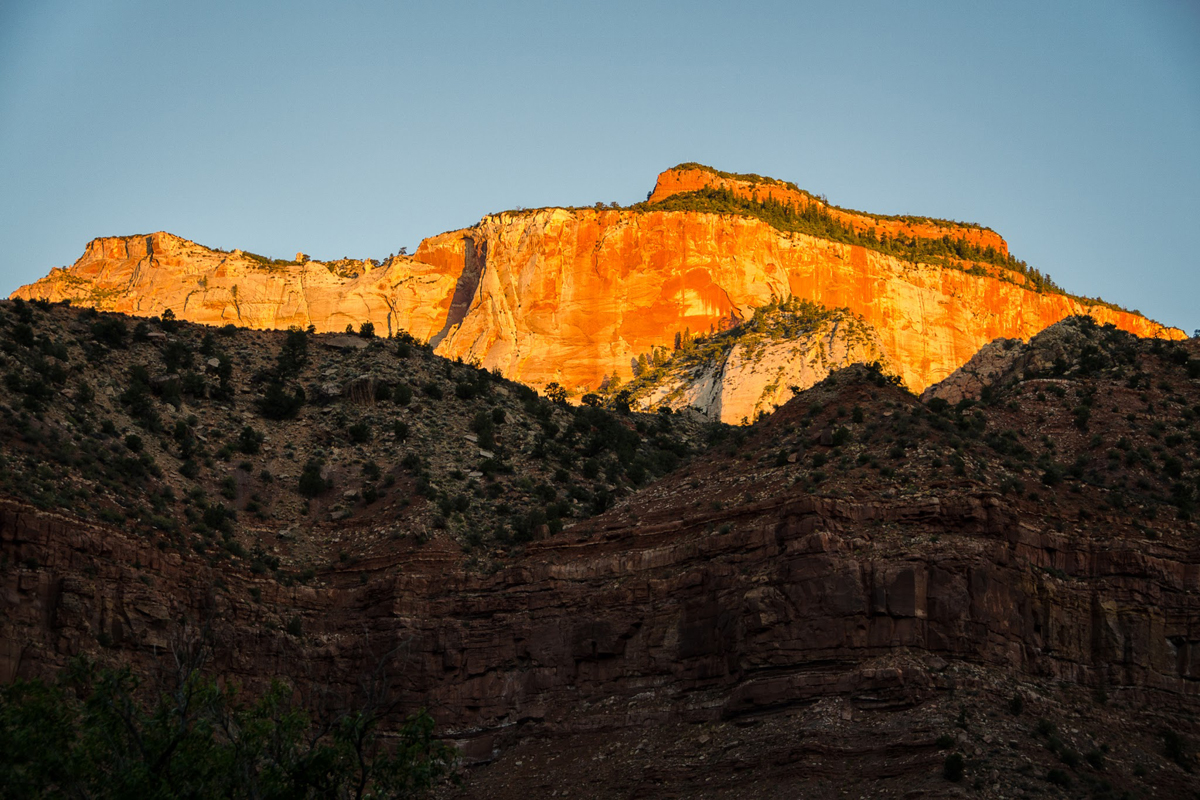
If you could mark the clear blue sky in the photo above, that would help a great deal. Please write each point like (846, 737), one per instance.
(1073, 129)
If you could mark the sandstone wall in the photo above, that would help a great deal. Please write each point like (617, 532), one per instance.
(570, 296)
(716, 615)
(574, 295)
(145, 275)
(690, 179)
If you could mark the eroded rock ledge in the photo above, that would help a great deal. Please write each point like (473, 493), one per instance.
(742, 611)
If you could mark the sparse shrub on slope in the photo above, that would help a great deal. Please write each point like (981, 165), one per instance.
(279, 402)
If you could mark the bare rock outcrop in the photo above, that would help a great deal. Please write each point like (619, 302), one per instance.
(1074, 346)
(742, 375)
(572, 295)
(993, 361)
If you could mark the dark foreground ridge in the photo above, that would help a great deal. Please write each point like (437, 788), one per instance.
(861, 595)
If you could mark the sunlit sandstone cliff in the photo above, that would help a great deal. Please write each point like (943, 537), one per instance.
(690, 178)
(145, 275)
(572, 295)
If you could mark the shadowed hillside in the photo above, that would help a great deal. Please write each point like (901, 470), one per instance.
(861, 594)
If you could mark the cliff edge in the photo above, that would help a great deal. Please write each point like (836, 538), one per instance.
(573, 296)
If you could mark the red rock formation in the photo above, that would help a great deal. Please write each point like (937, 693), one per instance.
(145, 275)
(570, 296)
(740, 588)
(573, 295)
(699, 610)
(693, 178)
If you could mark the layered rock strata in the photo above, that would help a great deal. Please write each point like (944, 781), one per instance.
(692, 178)
(859, 569)
(699, 600)
(574, 295)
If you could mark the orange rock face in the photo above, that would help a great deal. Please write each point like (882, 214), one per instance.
(145, 275)
(570, 296)
(691, 179)
(574, 295)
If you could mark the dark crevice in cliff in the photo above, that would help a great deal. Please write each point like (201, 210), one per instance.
(475, 262)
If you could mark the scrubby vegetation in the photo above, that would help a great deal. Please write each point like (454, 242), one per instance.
(1131, 450)
(816, 220)
(752, 178)
(1093, 434)
(227, 443)
(104, 733)
(786, 319)
(780, 320)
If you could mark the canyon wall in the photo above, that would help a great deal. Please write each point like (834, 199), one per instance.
(146, 275)
(573, 295)
(825, 564)
(687, 615)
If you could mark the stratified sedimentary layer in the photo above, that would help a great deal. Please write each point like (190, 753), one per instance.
(573, 295)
